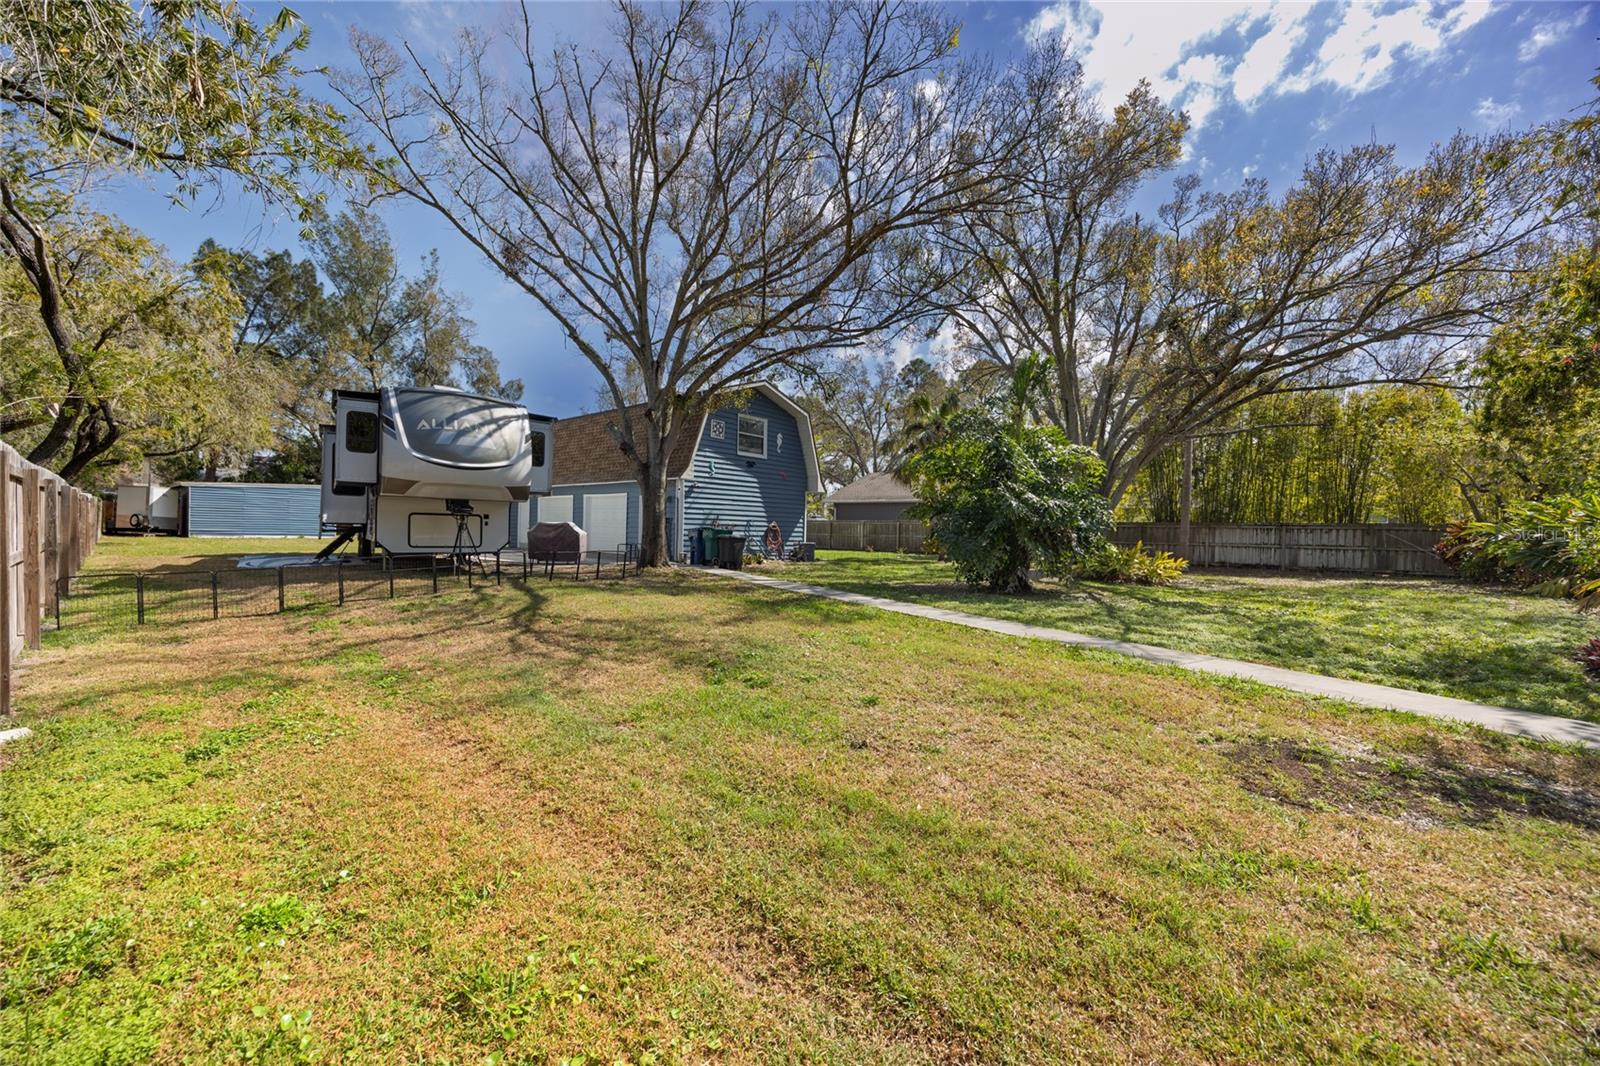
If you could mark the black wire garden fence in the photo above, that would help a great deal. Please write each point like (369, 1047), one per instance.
(106, 600)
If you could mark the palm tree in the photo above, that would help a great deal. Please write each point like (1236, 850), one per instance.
(1026, 377)
(928, 423)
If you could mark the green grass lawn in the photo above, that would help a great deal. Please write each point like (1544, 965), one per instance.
(124, 552)
(676, 819)
(1494, 646)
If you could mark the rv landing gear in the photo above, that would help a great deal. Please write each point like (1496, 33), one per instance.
(363, 545)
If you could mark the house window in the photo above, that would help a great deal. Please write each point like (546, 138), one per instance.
(753, 436)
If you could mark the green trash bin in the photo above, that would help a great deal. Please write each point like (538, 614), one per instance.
(713, 536)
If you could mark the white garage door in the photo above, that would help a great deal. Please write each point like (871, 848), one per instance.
(605, 519)
(555, 508)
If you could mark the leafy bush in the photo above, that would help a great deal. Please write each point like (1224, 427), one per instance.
(1132, 565)
(1003, 499)
(1554, 542)
(1588, 656)
(1462, 549)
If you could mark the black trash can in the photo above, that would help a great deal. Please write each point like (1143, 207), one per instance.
(730, 552)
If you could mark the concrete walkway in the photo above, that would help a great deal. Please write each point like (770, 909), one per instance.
(1501, 719)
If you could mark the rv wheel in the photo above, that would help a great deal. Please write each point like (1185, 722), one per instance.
(136, 521)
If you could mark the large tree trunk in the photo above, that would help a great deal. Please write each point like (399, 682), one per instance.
(653, 546)
(26, 241)
(98, 432)
(61, 428)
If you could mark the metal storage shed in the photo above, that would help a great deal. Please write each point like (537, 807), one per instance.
(245, 509)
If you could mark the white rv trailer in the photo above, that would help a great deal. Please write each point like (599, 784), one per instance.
(420, 471)
(146, 507)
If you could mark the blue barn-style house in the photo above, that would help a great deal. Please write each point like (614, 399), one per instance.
(747, 464)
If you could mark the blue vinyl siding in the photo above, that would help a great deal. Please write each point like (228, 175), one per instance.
(227, 509)
(743, 492)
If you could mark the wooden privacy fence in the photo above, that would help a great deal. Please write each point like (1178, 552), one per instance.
(1360, 549)
(1357, 549)
(47, 529)
(832, 534)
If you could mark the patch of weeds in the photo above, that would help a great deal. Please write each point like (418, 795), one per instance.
(348, 657)
(26, 840)
(287, 1038)
(174, 711)
(1227, 869)
(502, 1000)
(1281, 955)
(75, 955)
(338, 877)
(471, 896)
(745, 667)
(184, 819)
(892, 986)
(1172, 915)
(215, 742)
(280, 914)
(1364, 912)
(1580, 945)
(314, 726)
(243, 679)
(1492, 954)
(168, 867)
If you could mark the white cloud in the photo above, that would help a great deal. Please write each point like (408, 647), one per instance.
(1120, 44)
(1495, 114)
(1191, 55)
(1358, 55)
(1205, 78)
(1268, 56)
(1549, 32)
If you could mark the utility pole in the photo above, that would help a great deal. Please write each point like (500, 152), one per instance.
(1185, 494)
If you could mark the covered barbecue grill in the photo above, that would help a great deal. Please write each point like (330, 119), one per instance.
(557, 542)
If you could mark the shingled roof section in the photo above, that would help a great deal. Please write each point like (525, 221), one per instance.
(875, 488)
(587, 451)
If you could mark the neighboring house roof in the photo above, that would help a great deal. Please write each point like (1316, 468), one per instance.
(875, 488)
(587, 451)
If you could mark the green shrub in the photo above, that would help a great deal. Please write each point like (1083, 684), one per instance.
(1132, 565)
(1588, 657)
(1001, 500)
(1554, 542)
(1462, 549)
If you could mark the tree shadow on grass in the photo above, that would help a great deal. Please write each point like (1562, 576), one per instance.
(1432, 785)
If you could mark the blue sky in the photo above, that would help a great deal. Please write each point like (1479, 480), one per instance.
(1265, 85)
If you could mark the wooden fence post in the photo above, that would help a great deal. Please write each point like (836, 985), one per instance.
(32, 572)
(50, 529)
(7, 596)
